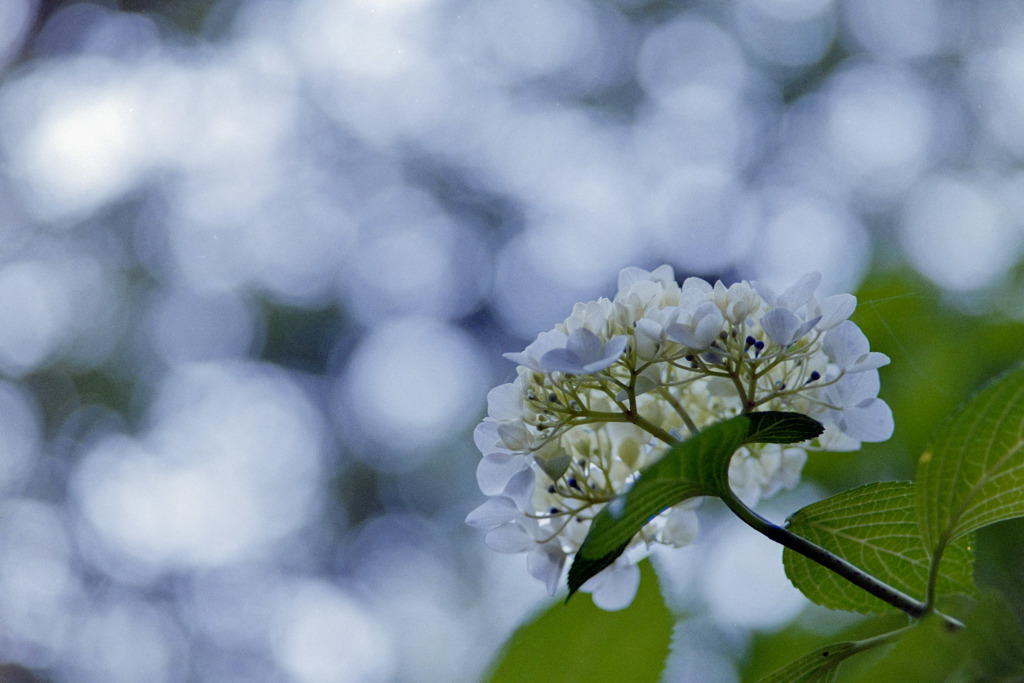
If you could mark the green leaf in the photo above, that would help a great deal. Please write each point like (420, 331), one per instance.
(820, 665)
(874, 527)
(774, 426)
(698, 466)
(927, 652)
(997, 562)
(620, 520)
(584, 567)
(973, 473)
(989, 649)
(695, 467)
(580, 642)
(993, 641)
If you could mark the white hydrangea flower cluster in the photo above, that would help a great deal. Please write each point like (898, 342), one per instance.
(602, 395)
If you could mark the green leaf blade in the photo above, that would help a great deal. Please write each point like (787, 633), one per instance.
(994, 642)
(874, 527)
(774, 426)
(619, 521)
(696, 467)
(814, 667)
(972, 474)
(581, 642)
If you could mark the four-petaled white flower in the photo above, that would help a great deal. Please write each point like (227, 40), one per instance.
(584, 353)
(849, 349)
(701, 328)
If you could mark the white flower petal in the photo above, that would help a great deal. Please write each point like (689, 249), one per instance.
(515, 436)
(585, 354)
(485, 436)
(509, 538)
(505, 402)
(853, 388)
(798, 294)
(766, 292)
(708, 323)
(645, 382)
(870, 420)
(682, 334)
(531, 355)
(494, 512)
(681, 527)
(806, 327)
(632, 275)
(834, 310)
(648, 338)
(520, 489)
(780, 324)
(793, 461)
(496, 469)
(834, 439)
(870, 361)
(745, 477)
(615, 587)
(561, 360)
(845, 344)
(652, 329)
(783, 470)
(664, 274)
(609, 353)
(695, 291)
(584, 343)
(545, 563)
(522, 358)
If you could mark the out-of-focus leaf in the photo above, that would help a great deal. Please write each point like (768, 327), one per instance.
(989, 649)
(926, 653)
(995, 642)
(874, 527)
(580, 642)
(973, 473)
(299, 338)
(997, 562)
(773, 650)
(820, 665)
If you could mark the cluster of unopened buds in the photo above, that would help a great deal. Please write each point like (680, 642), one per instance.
(605, 393)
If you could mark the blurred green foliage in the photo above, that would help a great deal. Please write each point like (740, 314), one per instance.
(580, 643)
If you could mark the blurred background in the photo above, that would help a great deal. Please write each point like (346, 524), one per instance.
(259, 260)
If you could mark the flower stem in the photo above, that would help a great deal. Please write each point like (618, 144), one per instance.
(834, 563)
(651, 428)
(598, 417)
(687, 420)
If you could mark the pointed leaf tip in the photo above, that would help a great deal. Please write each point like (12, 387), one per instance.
(583, 569)
(780, 427)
